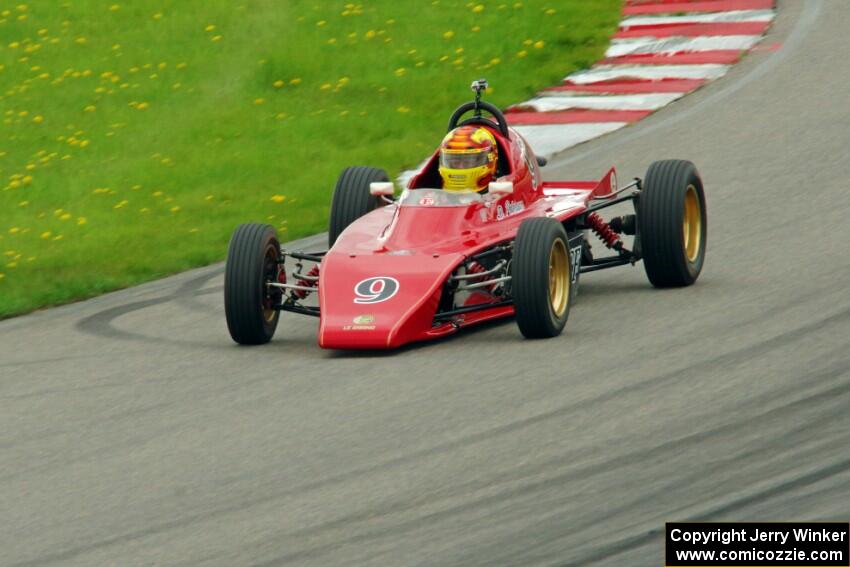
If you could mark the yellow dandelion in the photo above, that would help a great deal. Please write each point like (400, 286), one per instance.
(121, 204)
(539, 44)
(81, 41)
(194, 230)
(142, 105)
(325, 86)
(216, 38)
(295, 81)
(522, 53)
(321, 23)
(400, 72)
(144, 210)
(157, 16)
(209, 198)
(278, 198)
(478, 9)
(81, 221)
(2, 275)
(476, 28)
(448, 35)
(14, 230)
(174, 209)
(259, 101)
(12, 265)
(209, 28)
(551, 12)
(157, 193)
(58, 237)
(90, 108)
(114, 8)
(403, 109)
(65, 217)
(369, 34)
(23, 203)
(38, 119)
(278, 84)
(26, 179)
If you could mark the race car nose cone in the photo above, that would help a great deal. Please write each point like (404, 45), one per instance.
(380, 301)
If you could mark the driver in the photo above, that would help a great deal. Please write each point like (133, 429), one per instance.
(468, 159)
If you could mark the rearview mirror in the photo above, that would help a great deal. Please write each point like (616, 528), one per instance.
(501, 187)
(381, 188)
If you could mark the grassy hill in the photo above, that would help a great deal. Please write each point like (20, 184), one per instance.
(137, 134)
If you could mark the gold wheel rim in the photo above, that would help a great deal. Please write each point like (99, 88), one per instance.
(692, 225)
(559, 278)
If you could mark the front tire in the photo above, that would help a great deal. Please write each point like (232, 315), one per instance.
(672, 223)
(541, 287)
(252, 262)
(352, 198)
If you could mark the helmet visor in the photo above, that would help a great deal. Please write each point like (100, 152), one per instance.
(452, 160)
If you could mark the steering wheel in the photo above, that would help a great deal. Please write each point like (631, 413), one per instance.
(501, 124)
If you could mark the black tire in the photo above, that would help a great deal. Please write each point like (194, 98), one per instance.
(540, 312)
(352, 199)
(672, 223)
(252, 261)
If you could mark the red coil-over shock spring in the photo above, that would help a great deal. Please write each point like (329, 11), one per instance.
(604, 231)
(476, 268)
(300, 293)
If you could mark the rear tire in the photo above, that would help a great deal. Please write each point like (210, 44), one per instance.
(352, 198)
(672, 223)
(252, 261)
(541, 287)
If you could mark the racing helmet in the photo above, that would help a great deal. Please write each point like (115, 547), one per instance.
(468, 158)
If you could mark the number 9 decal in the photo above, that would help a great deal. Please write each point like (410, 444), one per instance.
(375, 290)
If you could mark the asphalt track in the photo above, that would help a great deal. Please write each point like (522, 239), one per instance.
(133, 432)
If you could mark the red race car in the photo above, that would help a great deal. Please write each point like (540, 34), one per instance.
(434, 260)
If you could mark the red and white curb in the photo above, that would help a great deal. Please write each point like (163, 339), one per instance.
(663, 50)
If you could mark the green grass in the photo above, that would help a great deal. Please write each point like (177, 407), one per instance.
(138, 133)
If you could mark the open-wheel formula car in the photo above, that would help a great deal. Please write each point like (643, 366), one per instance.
(432, 261)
